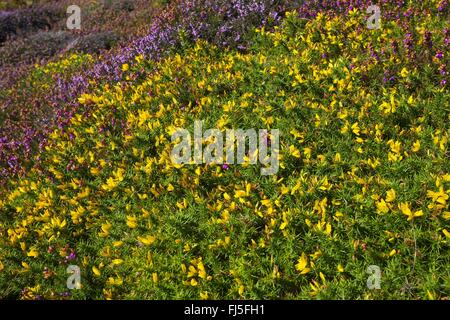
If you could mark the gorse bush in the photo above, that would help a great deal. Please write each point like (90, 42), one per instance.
(229, 24)
(180, 21)
(363, 180)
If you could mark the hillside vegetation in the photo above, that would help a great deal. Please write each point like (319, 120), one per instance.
(364, 175)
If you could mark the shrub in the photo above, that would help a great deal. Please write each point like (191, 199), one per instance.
(363, 180)
(35, 48)
(25, 21)
(96, 42)
(232, 24)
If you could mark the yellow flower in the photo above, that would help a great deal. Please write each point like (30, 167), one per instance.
(194, 282)
(58, 223)
(241, 289)
(111, 183)
(382, 206)
(33, 253)
(105, 230)
(439, 197)
(96, 271)
(192, 271)
(404, 73)
(117, 243)
(131, 222)
(355, 128)
(404, 207)
(117, 261)
(393, 252)
(201, 270)
(396, 146)
(107, 293)
(294, 151)
(148, 240)
(390, 196)
(416, 146)
(447, 234)
(115, 282)
(302, 263)
(125, 67)
(337, 157)
(139, 58)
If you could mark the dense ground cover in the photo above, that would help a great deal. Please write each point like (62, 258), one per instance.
(364, 173)
(24, 122)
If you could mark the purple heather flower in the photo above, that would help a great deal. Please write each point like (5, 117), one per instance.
(442, 6)
(225, 166)
(71, 256)
(439, 55)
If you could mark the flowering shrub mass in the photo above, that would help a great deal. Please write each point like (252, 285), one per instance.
(364, 168)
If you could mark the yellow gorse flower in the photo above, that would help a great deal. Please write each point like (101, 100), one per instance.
(404, 207)
(302, 264)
